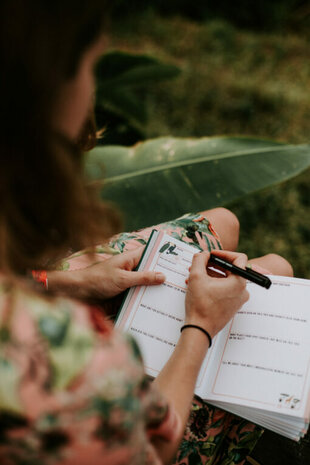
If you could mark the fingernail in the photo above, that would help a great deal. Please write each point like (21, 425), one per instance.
(160, 277)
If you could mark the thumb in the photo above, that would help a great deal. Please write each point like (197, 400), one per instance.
(200, 261)
(144, 278)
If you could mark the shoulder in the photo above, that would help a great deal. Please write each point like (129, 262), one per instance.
(52, 342)
(64, 378)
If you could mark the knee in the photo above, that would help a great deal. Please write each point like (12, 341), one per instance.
(226, 224)
(280, 265)
(225, 217)
(228, 220)
(231, 220)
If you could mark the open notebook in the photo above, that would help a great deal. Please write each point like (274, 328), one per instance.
(258, 365)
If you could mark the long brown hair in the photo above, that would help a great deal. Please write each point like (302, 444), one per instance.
(44, 205)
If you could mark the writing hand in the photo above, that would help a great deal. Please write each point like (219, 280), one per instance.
(211, 301)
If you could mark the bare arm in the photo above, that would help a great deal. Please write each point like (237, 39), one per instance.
(210, 303)
(105, 279)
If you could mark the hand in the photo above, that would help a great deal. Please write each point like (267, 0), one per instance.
(106, 279)
(212, 301)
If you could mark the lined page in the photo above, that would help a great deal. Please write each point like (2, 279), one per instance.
(263, 355)
(155, 314)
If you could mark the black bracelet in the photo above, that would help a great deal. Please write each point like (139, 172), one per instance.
(201, 329)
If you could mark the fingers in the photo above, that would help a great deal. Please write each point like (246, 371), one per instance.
(231, 284)
(200, 260)
(234, 283)
(239, 259)
(199, 263)
(141, 278)
(134, 255)
(129, 260)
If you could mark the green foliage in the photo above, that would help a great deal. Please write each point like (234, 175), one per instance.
(121, 79)
(262, 15)
(162, 178)
(277, 220)
(234, 82)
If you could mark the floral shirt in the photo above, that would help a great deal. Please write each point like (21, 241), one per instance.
(68, 394)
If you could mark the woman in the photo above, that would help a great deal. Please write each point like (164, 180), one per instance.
(70, 394)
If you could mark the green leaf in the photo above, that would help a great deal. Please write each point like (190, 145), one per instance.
(208, 446)
(116, 63)
(142, 75)
(249, 438)
(54, 329)
(120, 77)
(163, 178)
(124, 103)
(164, 247)
(9, 386)
(194, 459)
(186, 448)
(69, 359)
(117, 69)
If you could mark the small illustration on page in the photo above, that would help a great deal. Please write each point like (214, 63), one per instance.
(288, 400)
(169, 248)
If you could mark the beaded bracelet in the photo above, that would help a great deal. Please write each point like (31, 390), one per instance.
(40, 277)
(201, 329)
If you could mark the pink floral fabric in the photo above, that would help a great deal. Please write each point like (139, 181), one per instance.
(70, 395)
(212, 435)
(73, 390)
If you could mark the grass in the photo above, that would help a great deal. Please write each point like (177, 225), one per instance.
(234, 82)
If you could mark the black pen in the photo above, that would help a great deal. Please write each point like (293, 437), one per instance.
(248, 273)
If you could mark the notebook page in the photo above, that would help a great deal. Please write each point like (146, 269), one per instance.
(155, 314)
(263, 355)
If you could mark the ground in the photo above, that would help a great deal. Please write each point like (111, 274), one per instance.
(273, 449)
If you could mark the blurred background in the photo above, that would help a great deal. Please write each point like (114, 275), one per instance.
(237, 68)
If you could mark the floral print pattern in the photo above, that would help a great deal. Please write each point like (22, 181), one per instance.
(191, 228)
(212, 435)
(73, 390)
(68, 394)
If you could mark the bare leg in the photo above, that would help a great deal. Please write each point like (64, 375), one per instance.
(226, 224)
(273, 264)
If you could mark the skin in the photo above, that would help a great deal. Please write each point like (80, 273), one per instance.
(71, 110)
(106, 279)
(210, 301)
(76, 97)
(227, 226)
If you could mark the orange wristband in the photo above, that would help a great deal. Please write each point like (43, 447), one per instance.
(40, 277)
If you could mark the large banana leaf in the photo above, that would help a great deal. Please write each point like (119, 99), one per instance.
(166, 177)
